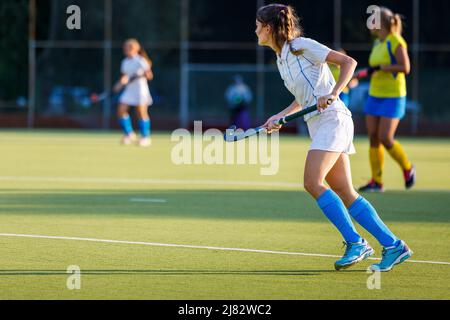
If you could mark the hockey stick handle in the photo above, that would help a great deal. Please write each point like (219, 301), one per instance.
(130, 80)
(300, 114)
(284, 120)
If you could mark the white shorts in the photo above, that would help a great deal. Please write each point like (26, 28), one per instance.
(135, 95)
(332, 131)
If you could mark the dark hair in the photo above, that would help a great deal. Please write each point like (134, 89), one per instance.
(284, 22)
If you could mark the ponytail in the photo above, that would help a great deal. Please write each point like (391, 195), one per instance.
(397, 24)
(284, 22)
(144, 55)
(392, 22)
(289, 28)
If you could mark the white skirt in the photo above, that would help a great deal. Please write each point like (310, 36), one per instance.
(135, 95)
(332, 131)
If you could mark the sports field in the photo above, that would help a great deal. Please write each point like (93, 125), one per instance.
(174, 224)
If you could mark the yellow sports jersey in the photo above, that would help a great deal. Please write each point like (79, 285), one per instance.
(387, 84)
(336, 71)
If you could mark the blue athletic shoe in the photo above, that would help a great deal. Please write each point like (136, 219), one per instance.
(392, 256)
(354, 253)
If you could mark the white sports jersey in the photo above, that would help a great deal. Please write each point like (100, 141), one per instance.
(307, 76)
(136, 93)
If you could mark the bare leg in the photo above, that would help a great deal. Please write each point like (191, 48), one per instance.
(339, 178)
(122, 110)
(142, 112)
(318, 165)
(373, 124)
(387, 129)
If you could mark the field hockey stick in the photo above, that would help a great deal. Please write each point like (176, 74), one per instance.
(96, 98)
(232, 135)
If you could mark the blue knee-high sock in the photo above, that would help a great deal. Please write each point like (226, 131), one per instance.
(144, 128)
(366, 215)
(335, 210)
(126, 125)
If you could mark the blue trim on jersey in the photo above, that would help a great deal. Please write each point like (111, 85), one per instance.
(391, 56)
(304, 75)
(394, 108)
(289, 69)
(307, 59)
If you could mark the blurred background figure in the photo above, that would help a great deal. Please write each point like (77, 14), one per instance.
(239, 96)
(136, 69)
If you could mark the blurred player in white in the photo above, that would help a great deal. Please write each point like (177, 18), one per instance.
(136, 70)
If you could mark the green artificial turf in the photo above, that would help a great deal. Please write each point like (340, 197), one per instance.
(85, 185)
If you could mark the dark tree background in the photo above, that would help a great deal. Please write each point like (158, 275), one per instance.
(13, 48)
(156, 21)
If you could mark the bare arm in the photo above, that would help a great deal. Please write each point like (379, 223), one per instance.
(270, 123)
(149, 73)
(123, 80)
(403, 62)
(293, 108)
(347, 67)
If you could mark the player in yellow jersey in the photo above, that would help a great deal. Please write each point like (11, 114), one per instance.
(386, 104)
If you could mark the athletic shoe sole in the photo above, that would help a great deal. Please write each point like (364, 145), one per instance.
(402, 258)
(364, 256)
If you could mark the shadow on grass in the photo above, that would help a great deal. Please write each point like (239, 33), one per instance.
(286, 205)
(172, 272)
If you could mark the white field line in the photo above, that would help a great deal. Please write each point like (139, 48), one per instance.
(148, 181)
(42, 141)
(98, 180)
(155, 244)
(148, 200)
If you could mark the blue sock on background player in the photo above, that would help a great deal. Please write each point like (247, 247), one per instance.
(126, 125)
(335, 210)
(366, 215)
(144, 127)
